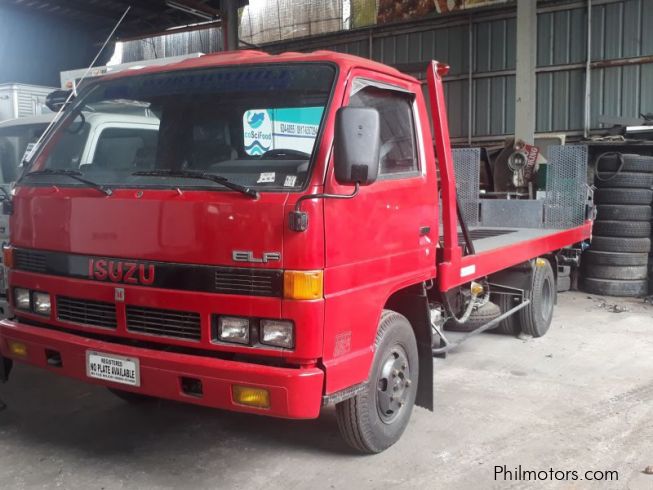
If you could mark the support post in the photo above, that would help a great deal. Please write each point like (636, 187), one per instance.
(230, 23)
(525, 91)
(588, 74)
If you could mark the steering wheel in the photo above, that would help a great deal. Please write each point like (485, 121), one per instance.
(285, 152)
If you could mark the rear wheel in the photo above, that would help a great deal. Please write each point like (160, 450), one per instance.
(479, 317)
(507, 326)
(536, 317)
(376, 418)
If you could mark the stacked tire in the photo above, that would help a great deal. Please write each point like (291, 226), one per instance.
(616, 263)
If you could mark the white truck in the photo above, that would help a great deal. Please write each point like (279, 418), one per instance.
(134, 138)
(22, 100)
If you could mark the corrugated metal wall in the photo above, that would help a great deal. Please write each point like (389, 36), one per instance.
(620, 29)
(207, 40)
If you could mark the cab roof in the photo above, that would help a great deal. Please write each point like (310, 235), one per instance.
(251, 57)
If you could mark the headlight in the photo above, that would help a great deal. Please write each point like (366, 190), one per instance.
(278, 333)
(41, 303)
(21, 298)
(232, 329)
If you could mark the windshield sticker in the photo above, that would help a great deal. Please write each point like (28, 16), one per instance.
(290, 181)
(258, 131)
(283, 128)
(266, 177)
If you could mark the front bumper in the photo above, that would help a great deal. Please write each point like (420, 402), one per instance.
(294, 393)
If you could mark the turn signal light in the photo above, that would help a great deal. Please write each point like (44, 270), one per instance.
(8, 256)
(252, 397)
(303, 284)
(18, 348)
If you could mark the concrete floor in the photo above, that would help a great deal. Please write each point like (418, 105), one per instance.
(578, 399)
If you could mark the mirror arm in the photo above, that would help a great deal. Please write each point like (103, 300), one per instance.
(299, 219)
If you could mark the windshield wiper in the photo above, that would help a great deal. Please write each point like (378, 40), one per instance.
(73, 174)
(187, 174)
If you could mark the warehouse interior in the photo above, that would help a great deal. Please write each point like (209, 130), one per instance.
(447, 237)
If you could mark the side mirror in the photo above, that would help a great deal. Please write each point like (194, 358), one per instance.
(357, 144)
(56, 99)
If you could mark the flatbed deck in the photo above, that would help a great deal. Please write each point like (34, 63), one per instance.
(497, 248)
(490, 238)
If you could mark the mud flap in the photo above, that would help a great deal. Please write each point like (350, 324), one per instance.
(412, 302)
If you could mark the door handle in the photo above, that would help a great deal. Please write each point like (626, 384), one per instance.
(424, 230)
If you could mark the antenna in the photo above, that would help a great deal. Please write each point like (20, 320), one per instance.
(27, 161)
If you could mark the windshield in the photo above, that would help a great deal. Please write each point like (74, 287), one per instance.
(15, 142)
(254, 125)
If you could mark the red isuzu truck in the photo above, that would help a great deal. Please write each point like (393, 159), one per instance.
(285, 236)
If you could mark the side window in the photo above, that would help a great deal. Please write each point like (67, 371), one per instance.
(398, 147)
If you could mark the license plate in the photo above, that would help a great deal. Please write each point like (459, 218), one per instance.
(109, 367)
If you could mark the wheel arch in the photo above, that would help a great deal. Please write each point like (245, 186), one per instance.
(412, 302)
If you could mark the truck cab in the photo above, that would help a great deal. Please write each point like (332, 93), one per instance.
(273, 246)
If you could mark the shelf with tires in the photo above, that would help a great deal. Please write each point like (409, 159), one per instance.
(617, 262)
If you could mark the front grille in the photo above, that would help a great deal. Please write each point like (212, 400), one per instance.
(85, 312)
(167, 275)
(168, 323)
(255, 282)
(30, 261)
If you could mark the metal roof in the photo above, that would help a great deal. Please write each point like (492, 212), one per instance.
(145, 17)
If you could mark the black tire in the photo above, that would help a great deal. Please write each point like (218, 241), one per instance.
(594, 257)
(623, 180)
(131, 397)
(609, 287)
(618, 244)
(623, 212)
(479, 317)
(618, 272)
(631, 229)
(563, 284)
(623, 196)
(360, 421)
(535, 318)
(611, 162)
(507, 326)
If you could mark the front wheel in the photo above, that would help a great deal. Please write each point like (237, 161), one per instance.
(376, 418)
(131, 397)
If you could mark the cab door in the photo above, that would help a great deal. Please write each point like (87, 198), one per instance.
(384, 238)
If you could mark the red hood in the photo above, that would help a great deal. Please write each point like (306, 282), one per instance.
(194, 227)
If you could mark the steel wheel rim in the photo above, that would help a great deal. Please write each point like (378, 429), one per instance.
(393, 385)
